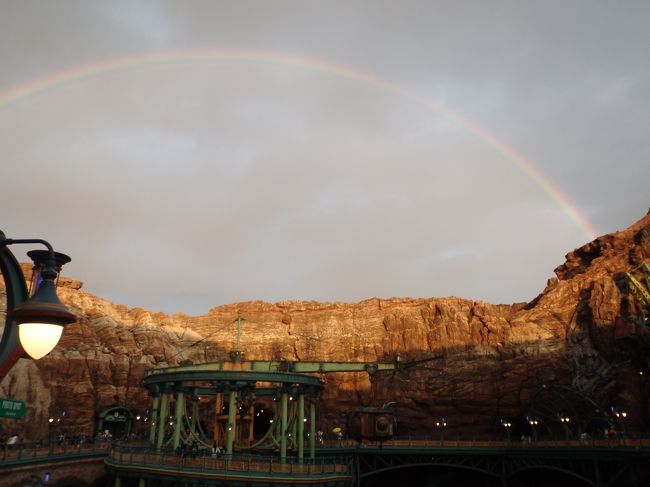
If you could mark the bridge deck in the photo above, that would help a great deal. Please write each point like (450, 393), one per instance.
(340, 463)
(249, 469)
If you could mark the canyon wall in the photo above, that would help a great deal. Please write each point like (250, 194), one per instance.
(479, 362)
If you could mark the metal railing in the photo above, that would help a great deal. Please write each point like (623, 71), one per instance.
(43, 451)
(618, 442)
(250, 465)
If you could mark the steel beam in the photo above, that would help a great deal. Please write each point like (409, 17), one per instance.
(232, 422)
(312, 429)
(283, 426)
(301, 426)
(179, 411)
(162, 419)
(154, 419)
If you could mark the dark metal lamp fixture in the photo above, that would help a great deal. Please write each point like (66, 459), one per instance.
(34, 321)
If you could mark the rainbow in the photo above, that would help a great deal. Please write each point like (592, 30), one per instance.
(511, 154)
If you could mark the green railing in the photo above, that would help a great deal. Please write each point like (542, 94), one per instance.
(329, 464)
(159, 461)
(44, 451)
(329, 446)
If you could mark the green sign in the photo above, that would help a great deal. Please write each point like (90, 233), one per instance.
(11, 408)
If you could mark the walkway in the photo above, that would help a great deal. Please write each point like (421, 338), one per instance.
(596, 462)
(258, 470)
(39, 452)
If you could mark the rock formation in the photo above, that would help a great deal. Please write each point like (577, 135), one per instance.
(480, 362)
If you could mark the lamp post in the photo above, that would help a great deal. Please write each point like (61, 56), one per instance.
(34, 320)
(621, 416)
(56, 422)
(565, 420)
(507, 425)
(533, 424)
(441, 424)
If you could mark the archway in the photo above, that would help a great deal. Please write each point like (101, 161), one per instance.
(116, 420)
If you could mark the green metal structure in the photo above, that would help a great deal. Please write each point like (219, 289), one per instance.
(238, 384)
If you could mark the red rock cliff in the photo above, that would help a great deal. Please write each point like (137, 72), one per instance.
(485, 361)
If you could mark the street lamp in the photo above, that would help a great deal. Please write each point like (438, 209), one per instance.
(621, 416)
(507, 425)
(441, 424)
(565, 420)
(533, 424)
(34, 320)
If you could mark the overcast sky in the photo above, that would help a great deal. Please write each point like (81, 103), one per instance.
(190, 154)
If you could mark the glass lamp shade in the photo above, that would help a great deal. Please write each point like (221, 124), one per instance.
(38, 339)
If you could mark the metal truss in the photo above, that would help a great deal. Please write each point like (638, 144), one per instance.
(595, 468)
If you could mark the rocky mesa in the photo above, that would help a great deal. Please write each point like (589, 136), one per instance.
(477, 362)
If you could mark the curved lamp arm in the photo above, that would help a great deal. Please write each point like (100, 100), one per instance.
(44, 306)
(16, 289)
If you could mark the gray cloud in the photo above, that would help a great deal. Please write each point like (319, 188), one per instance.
(185, 184)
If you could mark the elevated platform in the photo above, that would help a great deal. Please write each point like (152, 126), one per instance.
(235, 470)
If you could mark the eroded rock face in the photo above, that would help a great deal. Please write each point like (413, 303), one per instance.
(479, 362)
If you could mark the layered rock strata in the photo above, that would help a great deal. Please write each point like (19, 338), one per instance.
(479, 362)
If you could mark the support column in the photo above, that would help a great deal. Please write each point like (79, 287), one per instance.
(217, 435)
(118, 481)
(162, 419)
(232, 420)
(251, 424)
(178, 418)
(195, 417)
(283, 426)
(293, 414)
(301, 426)
(312, 429)
(154, 420)
(142, 482)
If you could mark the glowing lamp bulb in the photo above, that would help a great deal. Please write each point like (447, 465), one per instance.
(39, 339)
